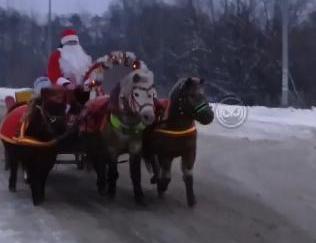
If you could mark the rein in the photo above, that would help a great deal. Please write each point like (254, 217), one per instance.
(48, 120)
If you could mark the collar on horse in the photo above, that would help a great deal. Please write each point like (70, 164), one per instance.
(119, 125)
(29, 141)
(177, 133)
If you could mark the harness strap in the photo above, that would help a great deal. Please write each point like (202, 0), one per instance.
(173, 133)
(21, 139)
(117, 124)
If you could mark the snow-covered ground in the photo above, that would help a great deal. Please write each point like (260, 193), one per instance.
(264, 123)
(254, 183)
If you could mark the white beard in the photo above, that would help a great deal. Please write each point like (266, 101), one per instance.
(74, 63)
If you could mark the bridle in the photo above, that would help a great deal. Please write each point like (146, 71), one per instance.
(48, 119)
(134, 104)
(196, 110)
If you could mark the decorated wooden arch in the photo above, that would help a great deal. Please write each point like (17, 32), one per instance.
(115, 58)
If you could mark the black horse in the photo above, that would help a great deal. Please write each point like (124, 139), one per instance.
(175, 135)
(45, 125)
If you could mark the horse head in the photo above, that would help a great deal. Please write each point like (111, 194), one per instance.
(137, 94)
(188, 96)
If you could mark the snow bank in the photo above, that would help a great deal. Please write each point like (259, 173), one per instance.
(264, 123)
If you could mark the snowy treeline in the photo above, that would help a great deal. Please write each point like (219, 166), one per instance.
(235, 45)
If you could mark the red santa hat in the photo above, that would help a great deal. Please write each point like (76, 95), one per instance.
(69, 35)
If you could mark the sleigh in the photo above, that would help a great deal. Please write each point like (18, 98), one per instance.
(105, 72)
(12, 129)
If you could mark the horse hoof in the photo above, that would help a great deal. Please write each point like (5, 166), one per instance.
(153, 180)
(111, 193)
(102, 192)
(140, 201)
(161, 194)
(38, 202)
(191, 202)
(12, 188)
(26, 178)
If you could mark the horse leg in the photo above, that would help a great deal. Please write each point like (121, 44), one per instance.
(155, 168)
(187, 169)
(36, 187)
(36, 182)
(100, 169)
(6, 159)
(165, 175)
(14, 166)
(26, 176)
(93, 147)
(112, 176)
(135, 173)
(44, 175)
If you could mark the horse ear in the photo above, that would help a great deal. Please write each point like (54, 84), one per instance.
(45, 92)
(136, 78)
(57, 95)
(189, 82)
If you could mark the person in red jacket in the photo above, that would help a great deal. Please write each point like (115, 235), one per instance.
(68, 64)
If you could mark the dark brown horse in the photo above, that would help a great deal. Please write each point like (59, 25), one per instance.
(175, 135)
(44, 124)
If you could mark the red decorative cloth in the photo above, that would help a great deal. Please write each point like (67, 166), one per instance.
(11, 123)
(94, 115)
(162, 109)
(54, 70)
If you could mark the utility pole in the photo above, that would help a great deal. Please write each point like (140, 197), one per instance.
(49, 27)
(212, 11)
(285, 53)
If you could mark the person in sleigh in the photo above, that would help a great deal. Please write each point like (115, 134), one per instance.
(68, 64)
(67, 67)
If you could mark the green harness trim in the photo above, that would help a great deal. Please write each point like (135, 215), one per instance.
(117, 124)
(201, 107)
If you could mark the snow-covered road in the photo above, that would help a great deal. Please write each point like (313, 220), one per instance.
(248, 191)
(256, 183)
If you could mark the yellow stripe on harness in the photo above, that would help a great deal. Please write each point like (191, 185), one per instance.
(181, 133)
(24, 140)
(27, 141)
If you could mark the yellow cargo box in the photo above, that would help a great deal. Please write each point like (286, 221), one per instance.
(23, 96)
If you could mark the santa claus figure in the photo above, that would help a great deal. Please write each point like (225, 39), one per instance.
(68, 65)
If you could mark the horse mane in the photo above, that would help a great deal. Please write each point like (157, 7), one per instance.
(176, 88)
(31, 108)
(179, 85)
(127, 83)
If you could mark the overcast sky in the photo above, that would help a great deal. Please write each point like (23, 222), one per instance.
(58, 6)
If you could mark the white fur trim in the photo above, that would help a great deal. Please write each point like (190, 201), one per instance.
(62, 81)
(40, 83)
(143, 66)
(130, 55)
(103, 59)
(69, 38)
